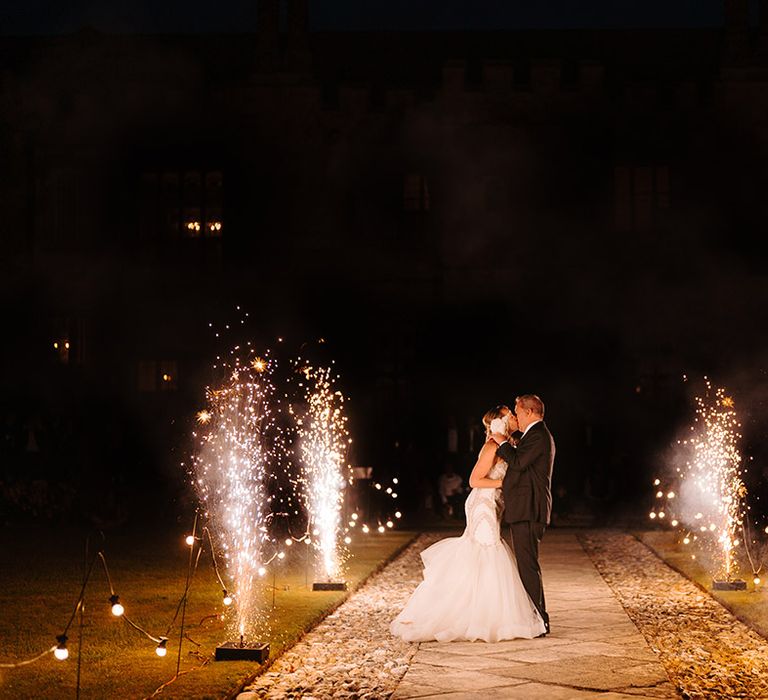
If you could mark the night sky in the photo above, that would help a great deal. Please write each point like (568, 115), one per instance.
(171, 16)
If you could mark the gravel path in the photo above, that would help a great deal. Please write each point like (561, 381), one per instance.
(706, 651)
(351, 654)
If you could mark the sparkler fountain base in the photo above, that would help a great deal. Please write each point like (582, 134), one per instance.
(238, 651)
(735, 585)
(329, 586)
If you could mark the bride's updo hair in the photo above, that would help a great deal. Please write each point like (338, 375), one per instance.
(495, 412)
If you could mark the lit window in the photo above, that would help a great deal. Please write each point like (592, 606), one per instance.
(157, 376)
(61, 348)
(168, 375)
(187, 204)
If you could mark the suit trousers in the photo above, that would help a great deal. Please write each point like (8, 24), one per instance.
(524, 537)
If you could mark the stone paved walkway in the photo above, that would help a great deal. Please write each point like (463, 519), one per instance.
(594, 651)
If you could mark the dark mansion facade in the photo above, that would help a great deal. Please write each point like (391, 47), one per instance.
(396, 192)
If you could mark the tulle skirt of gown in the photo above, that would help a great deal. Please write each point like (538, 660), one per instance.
(471, 588)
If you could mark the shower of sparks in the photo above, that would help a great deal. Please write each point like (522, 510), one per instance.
(323, 442)
(231, 471)
(709, 502)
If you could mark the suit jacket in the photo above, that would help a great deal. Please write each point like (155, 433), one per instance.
(527, 485)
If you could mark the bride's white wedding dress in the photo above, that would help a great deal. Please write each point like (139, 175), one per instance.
(471, 588)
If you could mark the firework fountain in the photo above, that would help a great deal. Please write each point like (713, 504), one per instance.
(239, 442)
(323, 444)
(706, 496)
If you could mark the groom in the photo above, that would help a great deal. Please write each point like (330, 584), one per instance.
(527, 490)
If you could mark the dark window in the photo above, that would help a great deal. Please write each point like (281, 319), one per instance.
(641, 194)
(415, 193)
(496, 192)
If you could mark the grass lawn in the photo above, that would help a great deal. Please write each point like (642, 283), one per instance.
(749, 606)
(40, 577)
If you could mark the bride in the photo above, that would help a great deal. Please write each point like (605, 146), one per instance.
(471, 588)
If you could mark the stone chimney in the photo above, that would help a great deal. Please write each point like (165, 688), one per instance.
(267, 35)
(736, 40)
(298, 57)
(762, 43)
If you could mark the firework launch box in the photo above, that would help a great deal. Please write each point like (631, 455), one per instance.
(234, 651)
(735, 585)
(329, 586)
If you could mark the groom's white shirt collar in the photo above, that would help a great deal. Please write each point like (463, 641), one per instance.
(530, 425)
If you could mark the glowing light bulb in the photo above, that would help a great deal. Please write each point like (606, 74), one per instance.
(288, 542)
(366, 529)
(398, 514)
(652, 515)
(659, 494)
(756, 580)
(394, 495)
(389, 489)
(190, 540)
(381, 528)
(162, 648)
(656, 483)
(352, 523)
(377, 487)
(281, 555)
(395, 481)
(671, 495)
(117, 608)
(347, 540)
(687, 540)
(674, 523)
(390, 523)
(662, 515)
(354, 517)
(227, 600)
(262, 571)
(61, 652)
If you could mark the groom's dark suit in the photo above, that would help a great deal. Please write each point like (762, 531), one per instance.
(527, 489)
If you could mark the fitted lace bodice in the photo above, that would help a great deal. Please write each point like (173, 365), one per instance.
(498, 470)
(483, 509)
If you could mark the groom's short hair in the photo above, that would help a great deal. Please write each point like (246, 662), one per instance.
(532, 403)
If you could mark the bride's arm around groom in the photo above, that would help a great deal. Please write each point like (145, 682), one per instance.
(478, 479)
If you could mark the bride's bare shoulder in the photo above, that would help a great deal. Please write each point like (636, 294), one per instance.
(490, 446)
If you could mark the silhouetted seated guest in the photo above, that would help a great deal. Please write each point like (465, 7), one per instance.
(450, 487)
